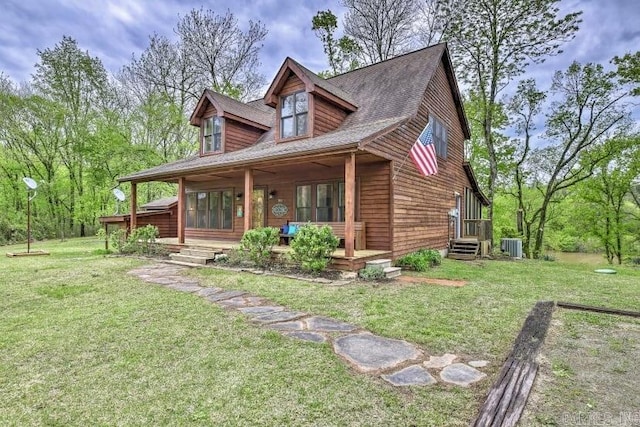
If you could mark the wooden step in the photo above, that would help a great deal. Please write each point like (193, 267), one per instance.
(202, 253)
(461, 257)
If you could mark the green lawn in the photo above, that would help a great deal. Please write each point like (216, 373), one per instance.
(82, 342)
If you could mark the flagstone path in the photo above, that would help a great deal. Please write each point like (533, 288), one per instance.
(398, 362)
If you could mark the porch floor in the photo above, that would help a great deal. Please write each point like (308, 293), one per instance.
(340, 260)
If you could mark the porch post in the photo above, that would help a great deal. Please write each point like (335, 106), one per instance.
(181, 209)
(134, 204)
(248, 198)
(349, 206)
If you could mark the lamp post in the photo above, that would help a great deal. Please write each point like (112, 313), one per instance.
(31, 185)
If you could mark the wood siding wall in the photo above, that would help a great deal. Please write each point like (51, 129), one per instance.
(167, 222)
(372, 188)
(326, 116)
(236, 135)
(421, 204)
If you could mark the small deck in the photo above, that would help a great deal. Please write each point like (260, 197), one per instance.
(340, 261)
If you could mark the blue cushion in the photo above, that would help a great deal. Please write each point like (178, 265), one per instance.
(285, 229)
(292, 229)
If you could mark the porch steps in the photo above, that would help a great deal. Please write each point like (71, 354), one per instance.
(389, 271)
(195, 256)
(464, 250)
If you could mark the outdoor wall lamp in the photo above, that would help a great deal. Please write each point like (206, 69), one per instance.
(272, 194)
(238, 196)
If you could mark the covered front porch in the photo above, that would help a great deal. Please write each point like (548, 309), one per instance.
(340, 259)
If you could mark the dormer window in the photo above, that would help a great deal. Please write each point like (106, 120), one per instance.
(212, 135)
(294, 111)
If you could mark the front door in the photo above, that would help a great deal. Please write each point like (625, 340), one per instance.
(258, 214)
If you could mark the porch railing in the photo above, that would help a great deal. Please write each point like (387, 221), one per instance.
(481, 229)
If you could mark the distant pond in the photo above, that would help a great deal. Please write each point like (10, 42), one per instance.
(580, 258)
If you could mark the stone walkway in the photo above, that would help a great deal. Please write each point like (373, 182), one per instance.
(398, 362)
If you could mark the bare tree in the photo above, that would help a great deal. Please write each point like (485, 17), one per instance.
(382, 28)
(223, 57)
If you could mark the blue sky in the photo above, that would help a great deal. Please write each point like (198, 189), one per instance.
(114, 30)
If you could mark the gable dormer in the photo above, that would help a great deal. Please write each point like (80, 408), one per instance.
(306, 105)
(226, 124)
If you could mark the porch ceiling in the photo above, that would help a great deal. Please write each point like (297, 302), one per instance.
(299, 166)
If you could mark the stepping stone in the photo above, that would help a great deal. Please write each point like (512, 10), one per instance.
(186, 288)
(278, 316)
(307, 336)
(461, 374)
(440, 362)
(224, 295)
(262, 309)
(413, 375)
(324, 324)
(478, 363)
(205, 292)
(234, 302)
(370, 352)
(287, 326)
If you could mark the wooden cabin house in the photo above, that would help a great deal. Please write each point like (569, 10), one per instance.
(332, 151)
(161, 213)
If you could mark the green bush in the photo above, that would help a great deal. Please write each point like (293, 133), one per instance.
(312, 247)
(258, 244)
(372, 273)
(421, 260)
(141, 241)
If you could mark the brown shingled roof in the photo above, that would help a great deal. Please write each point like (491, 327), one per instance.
(225, 104)
(386, 94)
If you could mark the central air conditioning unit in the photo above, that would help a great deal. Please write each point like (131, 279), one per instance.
(512, 246)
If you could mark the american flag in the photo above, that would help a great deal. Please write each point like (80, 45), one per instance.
(423, 152)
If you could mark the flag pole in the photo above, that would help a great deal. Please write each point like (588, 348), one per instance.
(400, 168)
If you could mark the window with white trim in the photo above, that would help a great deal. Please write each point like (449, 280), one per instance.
(212, 135)
(294, 113)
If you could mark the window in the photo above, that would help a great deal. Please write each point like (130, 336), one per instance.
(439, 136)
(294, 110)
(324, 202)
(303, 203)
(325, 206)
(212, 135)
(212, 210)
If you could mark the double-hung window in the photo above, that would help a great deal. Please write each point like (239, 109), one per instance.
(212, 135)
(439, 136)
(294, 113)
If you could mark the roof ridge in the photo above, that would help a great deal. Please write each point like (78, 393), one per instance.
(389, 59)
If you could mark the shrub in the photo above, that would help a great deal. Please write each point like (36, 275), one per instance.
(258, 244)
(141, 241)
(372, 273)
(420, 260)
(312, 247)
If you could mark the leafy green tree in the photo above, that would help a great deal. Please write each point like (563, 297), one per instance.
(341, 53)
(580, 125)
(493, 41)
(629, 70)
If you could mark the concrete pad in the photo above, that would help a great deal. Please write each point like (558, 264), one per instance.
(287, 326)
(324, 324)
(278, 316)
(260, 310)
(461, 374)
(307, 336)
(370, 352)
(413, 375)
(436, 362)
(224, 295)
(478, 363)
